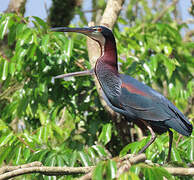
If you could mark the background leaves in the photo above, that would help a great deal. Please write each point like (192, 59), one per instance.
(63, 123)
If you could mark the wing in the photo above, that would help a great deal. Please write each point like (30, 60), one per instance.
(139, 101)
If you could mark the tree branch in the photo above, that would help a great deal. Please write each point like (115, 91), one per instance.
(179, 171)
(164, 11)
(36, 167)
(11, 171)
(17, 6)
(123, 165)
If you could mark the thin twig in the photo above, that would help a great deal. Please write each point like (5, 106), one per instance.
(25, 143)
(164, 11)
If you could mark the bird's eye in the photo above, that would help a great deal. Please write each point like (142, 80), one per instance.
(98, 29)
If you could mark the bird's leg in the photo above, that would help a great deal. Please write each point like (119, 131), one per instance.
(152, 138)
(170, 144)
(80, 73)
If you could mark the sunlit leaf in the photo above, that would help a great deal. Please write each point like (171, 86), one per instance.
(175, 155)
(73, 159)
(98, 172)
(18, 154)
(4, 26)
(5, 139)
(4, 70)
(111, 169)
(128, 176)
(105, 135)
(85, 159)
(40, 22)
(100, 150)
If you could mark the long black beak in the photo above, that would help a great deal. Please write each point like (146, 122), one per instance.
(78, 30)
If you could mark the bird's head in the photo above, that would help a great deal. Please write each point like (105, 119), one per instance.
(98, 33)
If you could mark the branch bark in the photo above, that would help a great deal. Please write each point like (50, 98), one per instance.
(16, 6)
(123, 165)
(36, 167)
(179, 171)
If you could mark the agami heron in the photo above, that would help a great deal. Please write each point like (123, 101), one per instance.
(126, 95)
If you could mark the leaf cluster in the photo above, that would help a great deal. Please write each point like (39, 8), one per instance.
(63, 123)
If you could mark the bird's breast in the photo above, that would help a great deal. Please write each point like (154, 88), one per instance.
(109, 80)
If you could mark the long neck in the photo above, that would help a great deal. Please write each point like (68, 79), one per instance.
(109, 54)
(106, 70)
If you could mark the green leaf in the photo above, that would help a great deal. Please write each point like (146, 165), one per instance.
(40, 22)
(31, 51)
(4, 26)
(51, 159)
(191, 150)
(150, 174)
(45, 43)
(26, 154)
(169, 65)
(128, 176)
(22, 105)
(60, 161)
(3, 125)
(39, 155)
(18, 154)
(92, 153)
(69, 48)
(57, 129)
(161, 173)
(4, 70)
(73, 159)
(105, 135)
(111, 169)
(26, 37)
(42, 116)
(100, 150)
(12, 35)
(85, 159)
(4, 140)
(4, 152)
(176, 155)
(153, 63)
(98, 172)
(12, 68)
(134, 147)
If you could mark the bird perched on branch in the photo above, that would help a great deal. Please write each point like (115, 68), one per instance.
(125, 95)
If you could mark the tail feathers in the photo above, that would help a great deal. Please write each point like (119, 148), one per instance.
(184, 127)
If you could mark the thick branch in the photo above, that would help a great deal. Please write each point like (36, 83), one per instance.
(36, 167)
(179, 171)
(50, 171)
(17, 6)
(123, 165)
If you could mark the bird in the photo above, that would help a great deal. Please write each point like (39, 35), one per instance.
(124, 94)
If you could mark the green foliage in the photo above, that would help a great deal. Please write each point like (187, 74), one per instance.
(152, 173)
(63, 123)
